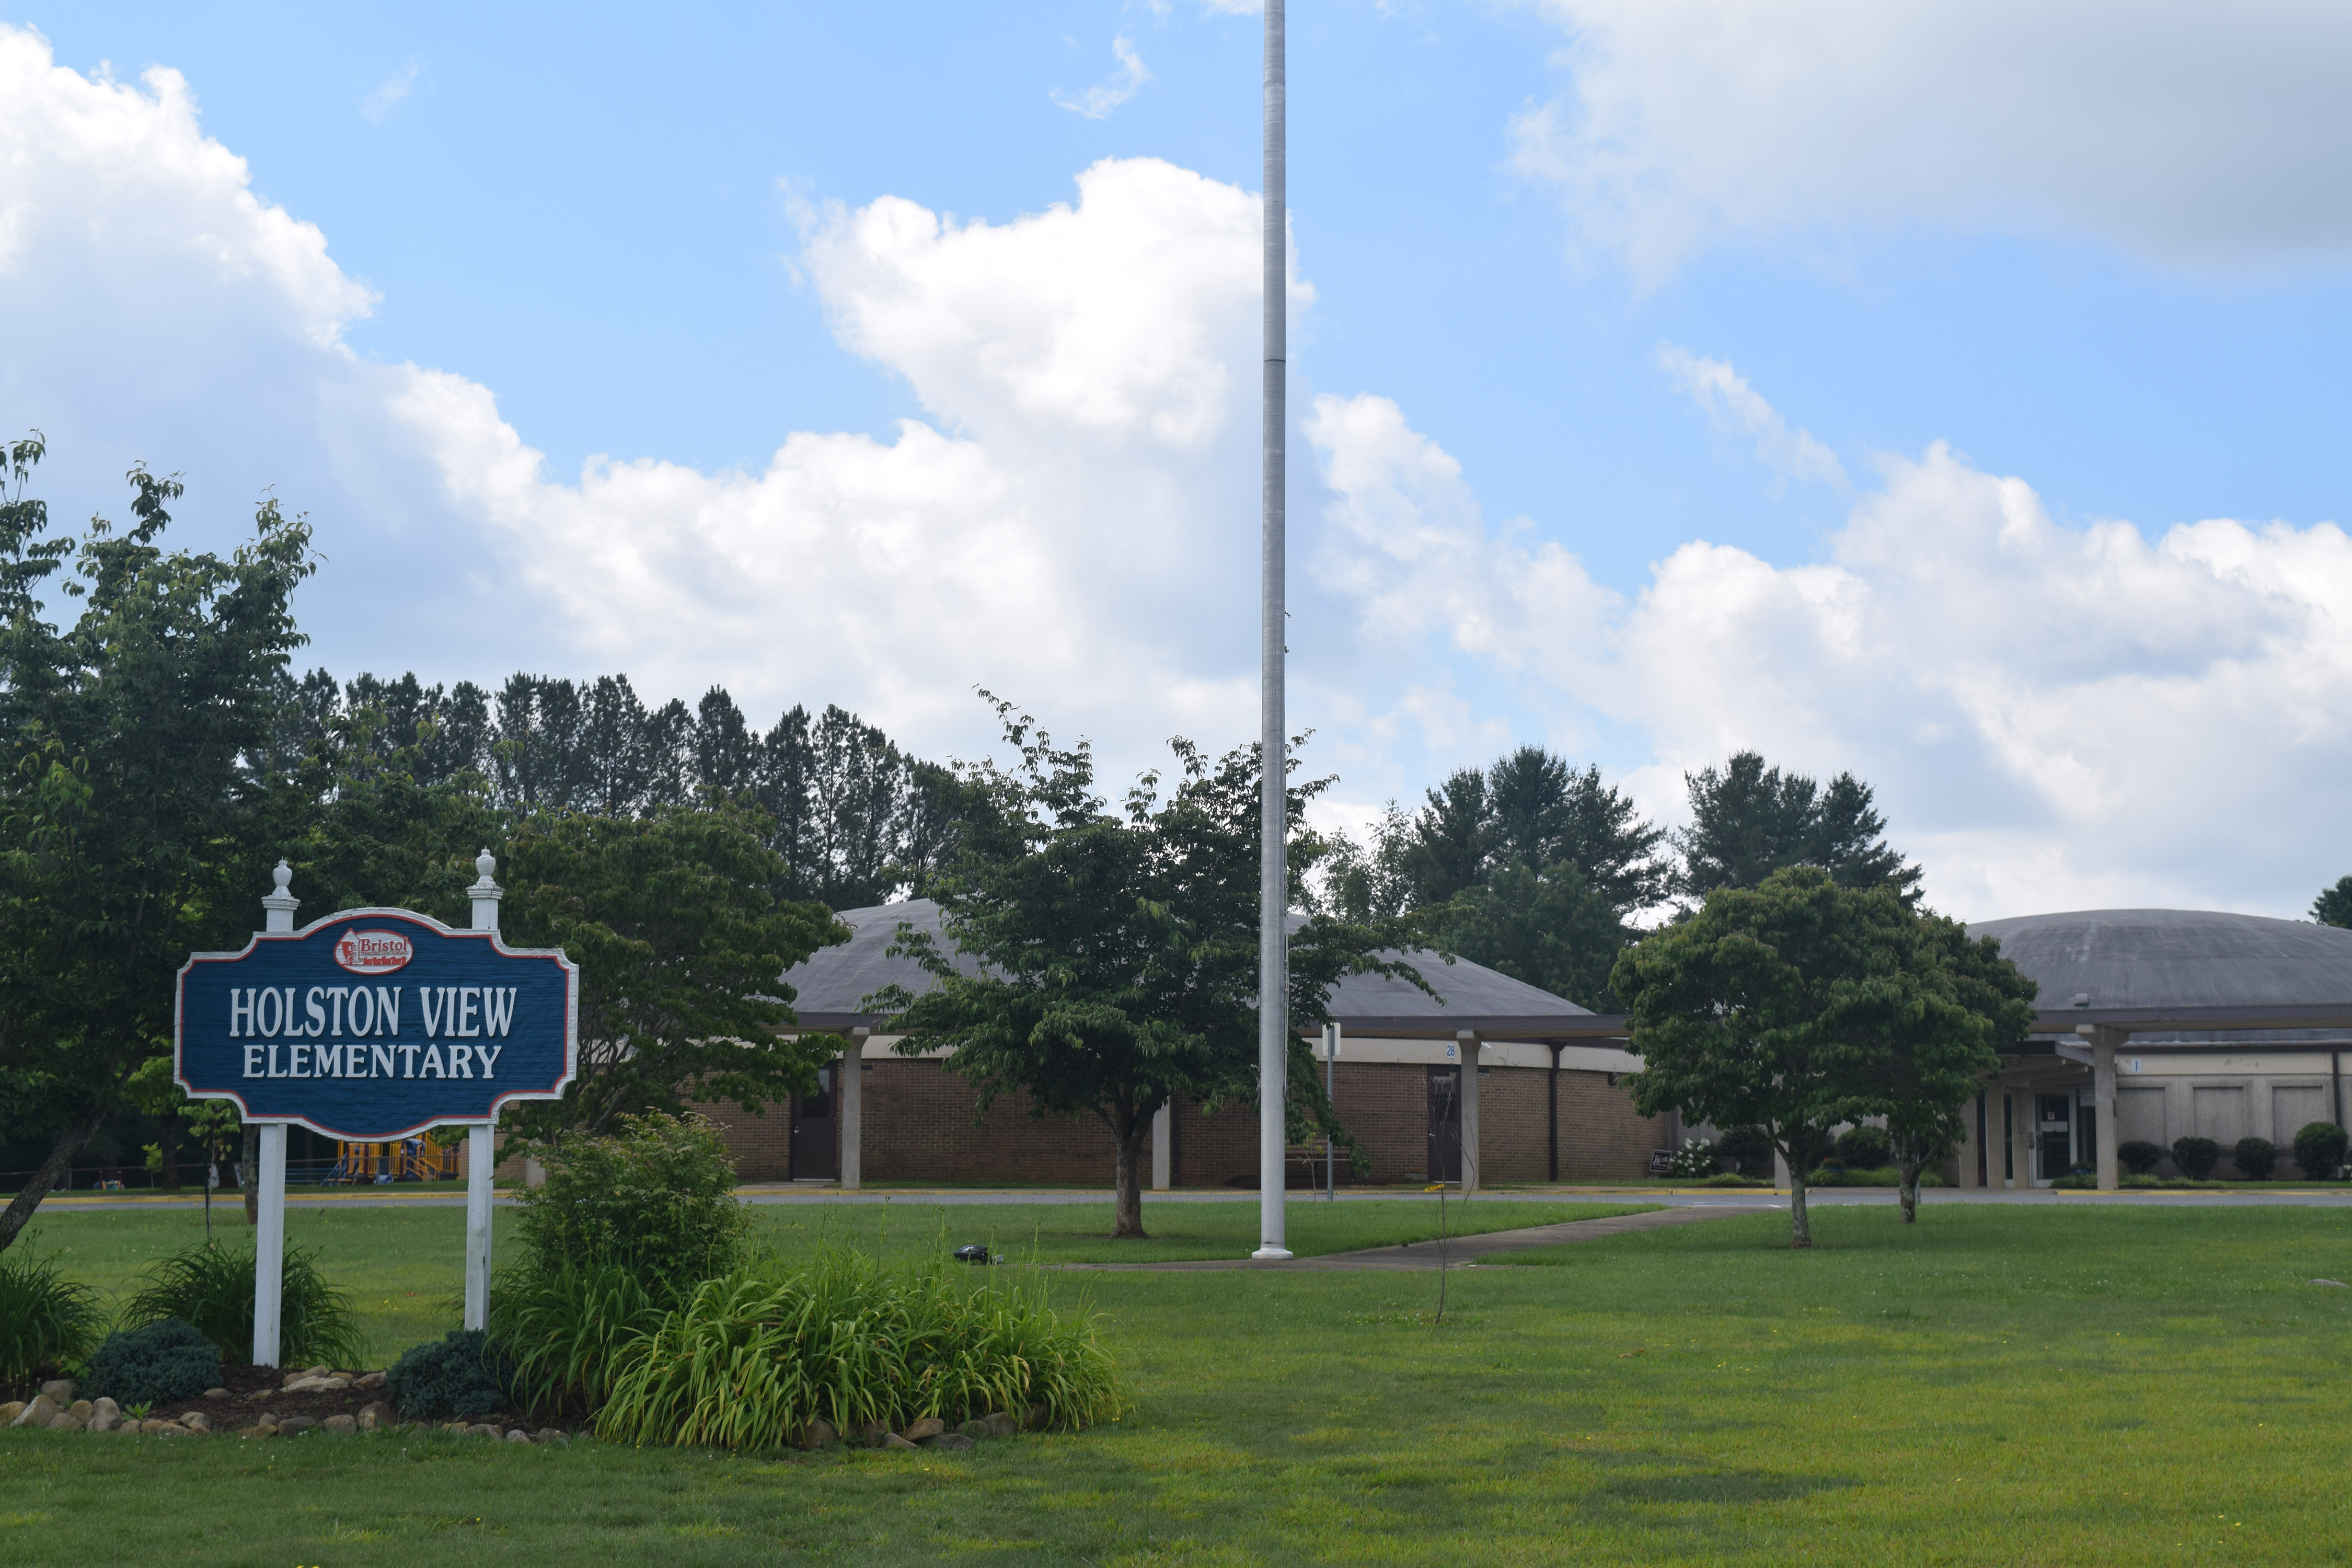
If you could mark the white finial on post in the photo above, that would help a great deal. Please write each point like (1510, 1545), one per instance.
(486, 893)
(279, 905)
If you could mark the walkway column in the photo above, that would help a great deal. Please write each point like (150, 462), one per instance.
(481, 1140)
(1163, 1145)
(853, 1111)
(277, 908)
(2104, 1038)
(1470, 1047)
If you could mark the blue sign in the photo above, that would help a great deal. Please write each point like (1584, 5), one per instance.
(371, 1024)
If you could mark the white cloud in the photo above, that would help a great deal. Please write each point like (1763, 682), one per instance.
(2210, 134)
(1732, 405)
(1098, 100)
(2054, 716)
(394, 88)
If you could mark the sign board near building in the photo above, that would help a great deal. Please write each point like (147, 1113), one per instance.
(371, 1024)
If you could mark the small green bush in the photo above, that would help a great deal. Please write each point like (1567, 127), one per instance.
(1747, 1149)
(1865, 1149)
(753, 1357)
(2077, 1181)
(211, 1286)
(464, 1375)
(2139, 1179)
(2256, 1159)
(2319, 1151)
(657, 1198)
(155, 1363)
(1883, 1176)
(46, 1322)
(2139, 1156)
(1734, 1179)
(2196, 1157)
(570, 1325)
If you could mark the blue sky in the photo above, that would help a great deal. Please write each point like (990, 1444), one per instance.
(1827, 379)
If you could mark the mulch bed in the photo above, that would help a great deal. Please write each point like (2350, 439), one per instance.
(257, 1390)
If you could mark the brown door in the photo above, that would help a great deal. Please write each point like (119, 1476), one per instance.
(1445, 1125)
(813, 1138)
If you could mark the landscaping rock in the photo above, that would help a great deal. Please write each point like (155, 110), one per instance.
(1000, 1424)
(951, 1440)
(867, 1433)
(81, 1410)
(975, 1429)
(263, 1430)
(10, 1411)
(105, 1416)
(892, 1440)
(339, 1424)
(66, 1423)
(483, 1429)
(59, 1390)
(816, 1435)
(374, 1418)
(40, 1413)
(316, 1383)
(372, 1380)
(924, 1427)
(292, 1426)
(215, 1393)
(153, 1424)
(549, 1435)
(518, 1435)
(196, 1421)
(2337, 1283)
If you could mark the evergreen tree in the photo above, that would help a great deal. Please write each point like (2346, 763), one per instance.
(1749, 820)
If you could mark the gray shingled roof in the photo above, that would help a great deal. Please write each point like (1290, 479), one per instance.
(832, 986)
(2179, 958)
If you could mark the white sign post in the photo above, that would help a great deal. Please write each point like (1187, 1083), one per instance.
(481, 1140)
(269, 1236)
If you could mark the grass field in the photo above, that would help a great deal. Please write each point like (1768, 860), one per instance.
(2065, 1386)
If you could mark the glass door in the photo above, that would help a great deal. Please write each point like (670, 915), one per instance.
(2053, 1137)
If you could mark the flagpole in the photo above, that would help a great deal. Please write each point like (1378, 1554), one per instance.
(1272, 943)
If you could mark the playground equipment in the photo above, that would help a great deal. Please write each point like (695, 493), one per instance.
(405, 1160)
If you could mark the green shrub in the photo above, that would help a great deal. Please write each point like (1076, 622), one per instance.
(1747, 1149)
(2319, 1150)
(1695, 1161)
(2139, 1179)
(657, 1198)
(2139, 1156)
(2077, 1181)
(153, 1364)
(2196, 1157)
(464, 1375)
(1883, 1176)
(211, 1286)
(46, 1322)
(568, 1326)
(1865, 1149)
(754, 1356)
(1734, 1179)
(2256, 1159)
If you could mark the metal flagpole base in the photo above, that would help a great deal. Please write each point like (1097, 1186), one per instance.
(1271, 1254)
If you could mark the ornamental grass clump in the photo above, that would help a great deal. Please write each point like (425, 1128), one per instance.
(211, 1286)
(753, 1358)
(47, 1321)
(568, 1324)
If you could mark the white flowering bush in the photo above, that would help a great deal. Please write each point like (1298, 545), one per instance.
(1694, 1159)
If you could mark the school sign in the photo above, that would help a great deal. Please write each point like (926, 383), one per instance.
(371, 1024)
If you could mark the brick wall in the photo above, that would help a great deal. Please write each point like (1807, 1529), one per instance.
(920, 1126)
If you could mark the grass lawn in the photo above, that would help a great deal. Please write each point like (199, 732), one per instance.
(2000, 1384)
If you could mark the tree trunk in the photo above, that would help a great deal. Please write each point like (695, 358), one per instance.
(1128, 1164)
(1800, 1225)
(1909, 1193)
(70, 1141)
(169, 1127)
(251, 1165)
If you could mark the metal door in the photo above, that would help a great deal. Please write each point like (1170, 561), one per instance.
(2053, 1134)
(813, 1131)
(1445, 1125)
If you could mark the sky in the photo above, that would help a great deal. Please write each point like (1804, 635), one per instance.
(1947, 393)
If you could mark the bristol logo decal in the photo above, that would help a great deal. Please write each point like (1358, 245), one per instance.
(373, 951)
